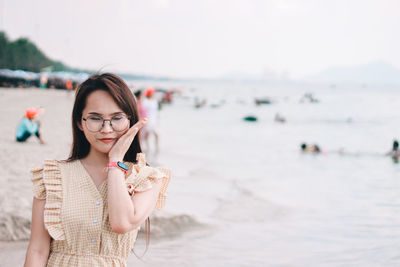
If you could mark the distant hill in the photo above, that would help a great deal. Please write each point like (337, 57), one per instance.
(377, 72)
(22, 54)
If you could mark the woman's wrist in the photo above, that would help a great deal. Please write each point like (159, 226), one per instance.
(117, 163)
(112, 159)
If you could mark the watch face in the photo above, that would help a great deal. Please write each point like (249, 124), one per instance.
(122, 165)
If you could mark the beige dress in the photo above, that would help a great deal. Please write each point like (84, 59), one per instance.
(76, 212)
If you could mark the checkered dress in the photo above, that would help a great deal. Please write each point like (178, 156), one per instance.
(76, 212)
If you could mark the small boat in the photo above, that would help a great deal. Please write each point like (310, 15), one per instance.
(262, 101)
(250, 118)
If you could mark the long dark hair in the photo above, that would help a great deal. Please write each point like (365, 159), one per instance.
(122, 96)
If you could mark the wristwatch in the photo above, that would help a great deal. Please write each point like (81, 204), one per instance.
(123, 167)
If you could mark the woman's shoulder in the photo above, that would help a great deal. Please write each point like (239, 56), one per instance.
(44, 165)
(52, 163)
(44, 176)
(54, 169)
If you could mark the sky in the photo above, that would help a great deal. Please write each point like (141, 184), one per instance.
(208, 38)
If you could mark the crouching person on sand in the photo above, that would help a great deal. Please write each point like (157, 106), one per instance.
(29, 125)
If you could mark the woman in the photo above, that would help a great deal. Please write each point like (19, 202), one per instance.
(87, 210)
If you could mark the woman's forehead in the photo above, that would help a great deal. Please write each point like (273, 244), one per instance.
(101, 102)
(101, 114)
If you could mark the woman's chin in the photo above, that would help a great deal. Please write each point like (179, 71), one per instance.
(104, 148)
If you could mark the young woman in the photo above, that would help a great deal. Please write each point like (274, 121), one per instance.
(87, 210)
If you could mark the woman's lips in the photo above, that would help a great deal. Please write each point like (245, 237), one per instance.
(107, 140)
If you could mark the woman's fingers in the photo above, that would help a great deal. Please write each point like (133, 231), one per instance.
(131, 133)
(126, 139)
(137, 126)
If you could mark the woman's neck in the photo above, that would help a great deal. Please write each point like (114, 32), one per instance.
(96, 158)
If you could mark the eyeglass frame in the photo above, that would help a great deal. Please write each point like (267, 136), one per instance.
(109, 120)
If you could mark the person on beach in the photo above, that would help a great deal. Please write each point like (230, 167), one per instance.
(29, 125)
(150, 105)
(141, 110)
(87, 209)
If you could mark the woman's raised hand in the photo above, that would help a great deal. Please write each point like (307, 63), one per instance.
(120, 148)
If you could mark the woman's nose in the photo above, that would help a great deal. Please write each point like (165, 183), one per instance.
(107, 128)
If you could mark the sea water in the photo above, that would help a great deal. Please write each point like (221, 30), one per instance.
(254, 199)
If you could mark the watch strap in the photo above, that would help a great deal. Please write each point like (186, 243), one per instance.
(120, 165)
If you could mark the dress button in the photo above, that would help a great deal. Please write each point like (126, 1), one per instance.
(93, 240)
(95, 220)
(97, 203)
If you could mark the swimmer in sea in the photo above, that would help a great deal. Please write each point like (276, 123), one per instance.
(394, 153)
(310, 148)
(279, 118)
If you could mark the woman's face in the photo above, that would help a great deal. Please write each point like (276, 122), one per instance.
(100, 104)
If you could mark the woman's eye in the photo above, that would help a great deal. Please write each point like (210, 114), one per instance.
(95, 118)
(117, 118)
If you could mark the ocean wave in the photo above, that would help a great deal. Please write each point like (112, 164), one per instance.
(14, 227)
(172, 226)
(17, 228)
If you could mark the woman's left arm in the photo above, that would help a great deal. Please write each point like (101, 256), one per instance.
(128, 212)
(125, 212)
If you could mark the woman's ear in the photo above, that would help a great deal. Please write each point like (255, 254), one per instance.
(79, 124)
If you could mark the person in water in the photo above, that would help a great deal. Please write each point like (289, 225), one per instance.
(87, 209)
(395, 153)
(29, 125)
(279, 118)
(310, 148)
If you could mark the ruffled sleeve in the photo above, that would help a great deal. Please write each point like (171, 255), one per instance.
(39, 191)
(143, 177)
(47, 184)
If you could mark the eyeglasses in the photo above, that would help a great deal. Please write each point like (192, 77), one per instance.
(95, 123)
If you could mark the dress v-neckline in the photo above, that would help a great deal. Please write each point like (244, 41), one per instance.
(99, 187)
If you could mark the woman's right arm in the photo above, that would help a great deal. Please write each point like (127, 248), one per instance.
(39, 243)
